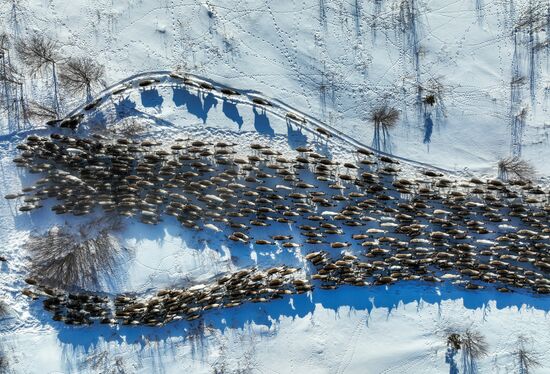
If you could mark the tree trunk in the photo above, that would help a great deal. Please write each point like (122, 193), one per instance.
(55, 91)
(88, 92)
(7, 90)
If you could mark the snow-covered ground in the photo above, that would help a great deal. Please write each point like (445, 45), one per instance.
(336, 60)
(398, 330)
(331, 60)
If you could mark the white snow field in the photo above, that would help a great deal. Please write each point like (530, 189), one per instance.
(336, 60)
(331, 62)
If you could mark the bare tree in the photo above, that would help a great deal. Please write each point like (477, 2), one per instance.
(533, 17)
(17, 8)
(39, 53)
(4, 70)
(4, 41)
(515, 168)
(8, 72)
(406, 21)
(383, 119)
(39, 111)
(13, 97)
(474, 344)
(66, 259)
(454, 342)
(527, 358)
(474, 347)
(82, 74)
(530, 30)
(104, 362)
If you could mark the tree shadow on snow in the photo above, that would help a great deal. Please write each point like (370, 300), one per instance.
(428, 128)
(450, 359)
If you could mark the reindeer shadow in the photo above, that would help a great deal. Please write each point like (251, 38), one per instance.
(126, 107)
(296, 306)
(296, 137)
(231, 111)
(261, 122)
(151, 99)
(197, 105)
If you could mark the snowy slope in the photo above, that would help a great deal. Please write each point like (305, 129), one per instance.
(338, 60)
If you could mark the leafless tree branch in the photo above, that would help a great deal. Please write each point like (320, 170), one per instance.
(516, 169)
(4, 363)
(383, 119)
(4, 309)
(130, 127)
(37, 111)
(5, 42)
(66, 259)
(37, 52)
(534, 17)
(385, 116)
(527, 358)
(474, 345)
(82, 74)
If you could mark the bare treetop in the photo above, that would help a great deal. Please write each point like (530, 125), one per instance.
(10, 75)
(526, 356)
(37, 51)
(82, 74)
(516, 169)
(385, 116)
